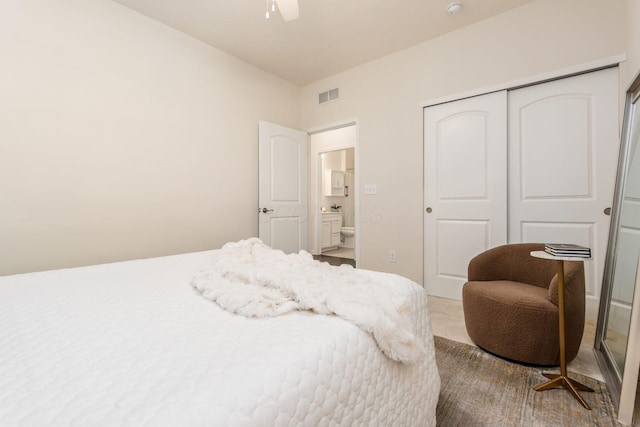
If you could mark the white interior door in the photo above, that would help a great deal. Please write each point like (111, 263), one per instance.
(465, 187)
(563, 149)
(282, 205)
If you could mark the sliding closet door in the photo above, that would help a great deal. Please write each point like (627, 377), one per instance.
(563, 148)
(465, 187)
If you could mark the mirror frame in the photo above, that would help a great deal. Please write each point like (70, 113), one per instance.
(611, 373)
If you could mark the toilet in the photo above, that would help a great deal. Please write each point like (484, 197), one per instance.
(348, 234)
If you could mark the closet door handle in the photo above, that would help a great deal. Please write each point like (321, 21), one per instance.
(265, 210)
(607, 211)
(429, 210)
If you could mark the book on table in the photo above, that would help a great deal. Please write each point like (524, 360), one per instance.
(567, 250)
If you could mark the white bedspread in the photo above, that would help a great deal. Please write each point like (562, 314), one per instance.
(132, 344)
(251, 279)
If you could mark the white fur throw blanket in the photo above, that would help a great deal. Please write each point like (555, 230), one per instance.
(251, 279)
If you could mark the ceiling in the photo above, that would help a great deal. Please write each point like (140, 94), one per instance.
(329, 37)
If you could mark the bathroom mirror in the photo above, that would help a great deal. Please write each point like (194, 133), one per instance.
(623, 250)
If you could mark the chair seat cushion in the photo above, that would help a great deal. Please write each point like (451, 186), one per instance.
(512, 293)
(494, 309)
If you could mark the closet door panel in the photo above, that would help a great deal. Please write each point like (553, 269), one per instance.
(462, 153)
(465, 187)
(563, 148)
(555, 136)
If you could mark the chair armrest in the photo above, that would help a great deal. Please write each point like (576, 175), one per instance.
(573, 284)
(511, 262)
(489, 265)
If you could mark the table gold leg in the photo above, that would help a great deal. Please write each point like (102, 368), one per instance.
(579, 386)
(556, 381)
(567, 384)
(571, 385)
(562, 380)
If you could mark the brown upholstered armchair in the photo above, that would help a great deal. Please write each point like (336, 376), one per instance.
(510, 304)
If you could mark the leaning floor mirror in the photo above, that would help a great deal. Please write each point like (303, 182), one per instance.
(617, 344)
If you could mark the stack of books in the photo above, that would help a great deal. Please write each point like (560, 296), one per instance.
(567, 250)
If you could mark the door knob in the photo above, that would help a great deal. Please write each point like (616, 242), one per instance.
(607, 211)
(265, 210)
(429, 210)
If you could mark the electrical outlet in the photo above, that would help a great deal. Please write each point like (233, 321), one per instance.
(392, 256)
(370, 189)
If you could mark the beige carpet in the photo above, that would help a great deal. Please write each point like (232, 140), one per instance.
(479, 389)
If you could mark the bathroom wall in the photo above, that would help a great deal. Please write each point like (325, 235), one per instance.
(342, 160)
(348, 202)
(333, 160)
(324, 142)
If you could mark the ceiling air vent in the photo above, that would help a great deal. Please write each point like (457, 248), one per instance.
(329, 96)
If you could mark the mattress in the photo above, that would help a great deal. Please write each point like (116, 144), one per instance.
(132, 344)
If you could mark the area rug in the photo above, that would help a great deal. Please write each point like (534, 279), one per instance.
(479, 389)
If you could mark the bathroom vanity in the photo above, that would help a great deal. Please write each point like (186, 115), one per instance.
(331, 223)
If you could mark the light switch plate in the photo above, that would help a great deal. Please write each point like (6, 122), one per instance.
(370, 189)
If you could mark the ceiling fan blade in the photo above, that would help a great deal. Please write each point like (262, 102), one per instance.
(288, 9)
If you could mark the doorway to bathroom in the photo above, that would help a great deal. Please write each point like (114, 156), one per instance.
(333, 197)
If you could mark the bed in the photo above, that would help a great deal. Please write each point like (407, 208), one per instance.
(134, 344)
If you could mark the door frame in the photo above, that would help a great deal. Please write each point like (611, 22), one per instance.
(315, 183)
(574, 70)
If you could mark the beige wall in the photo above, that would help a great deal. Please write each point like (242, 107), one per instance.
(386, 95)
(121, 138)
(632, 67)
